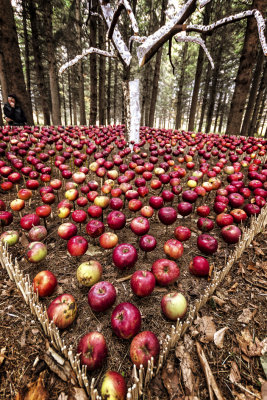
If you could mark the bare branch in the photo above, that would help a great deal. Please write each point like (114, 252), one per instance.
(203, 3)
(84, 54)
(146, 51)
(170, 55)
(117, 40)
(123, 4)
(197, 40)
(234, 18)
(138, 39)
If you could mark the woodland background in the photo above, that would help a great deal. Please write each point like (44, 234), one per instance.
(178, 90)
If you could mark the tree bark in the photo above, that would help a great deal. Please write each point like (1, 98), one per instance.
(11, 58)
(93, 67)
(218, 110)
(101, 76)
(244, 74)
(199, 68)
(115, 92)
(53, 77)
(205, 97)
(26, 47)
(109, 89)
(3, 78)
(38, 65)
(213, 88)
(155, 82)
(1, 115)
(222, 112)
(69, 96)
(259, 104)
(80, 63)
(180, 88)
(253, 94)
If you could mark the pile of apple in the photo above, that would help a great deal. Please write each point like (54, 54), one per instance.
(89, 182)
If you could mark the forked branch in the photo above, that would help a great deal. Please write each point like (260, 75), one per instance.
(84, 54)
(197, 40)
(123, 4)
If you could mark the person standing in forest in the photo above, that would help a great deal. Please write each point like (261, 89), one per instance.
(14, 114)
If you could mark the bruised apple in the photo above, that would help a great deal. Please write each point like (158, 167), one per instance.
(144, 346)
(89, 273)
(93, 350)
(62, 310)
(113, 386)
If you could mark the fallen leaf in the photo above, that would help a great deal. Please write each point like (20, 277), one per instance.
(2, 355)
(246, 316)
(187, 366)
(77, 394)
(207, 328)
(24, 240)
(218, 301)
(210, 272)
(259, 251)
(93, 251)
(264, 391)
(247, 345)
(170, 378)
(233, 288)
(264, 363)
(234, 373)
(251, 267)
(219, 337)
(36, 390)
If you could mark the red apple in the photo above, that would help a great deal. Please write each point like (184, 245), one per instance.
(224, 219)
(95, 211)
(165, 271)
(167, 215)
(147, 243)
(173, 248)
(205, 224)
(93, 350)
(37, 251)
(6, 218)
(184, 208)
(182, 233)
(77, 246)
(203, 211)
(174, 305)
(140, 226)
(207, 244)
(62, 310)
(67, 230)
(95, 228)
(144, 346)
(45, 282)
(124, 256)
(113, 386)
(199, 266)
(37, 233)
(142, 283)
(231, 234)
(147, 211)
(101, 296)
(238, 214)
(126, 320)
(116, 220)
(108, 240)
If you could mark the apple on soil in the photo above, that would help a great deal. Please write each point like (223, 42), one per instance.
(174, 305)
(165, 271)
(113, 386)
(45, 282)
(101, 296)
(126, 320)
(199, 266)
(62, 310)
(124, 256)
(37, 251)
(142, 283)
(93, 350)
(144, 346)
(9, 237)
(89, 273)
(173, 248)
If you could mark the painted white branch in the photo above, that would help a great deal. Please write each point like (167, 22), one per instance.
(134, 111)
(117, 40)
(197, 40)
(84, 54)
(234, 18)
(123, 4)
(202, 3)
(159, 37)
(138, 39)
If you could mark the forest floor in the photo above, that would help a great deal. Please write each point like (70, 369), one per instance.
(239, 305)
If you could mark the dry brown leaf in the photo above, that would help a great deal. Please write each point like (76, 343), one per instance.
(36, 390)
(248, 347)
(259, 251)
(77, 394)
(187, 368)
(234, 373)
(219, 337)
(170, 378)
(264, 390)
(2, 355)
(24, 240)
(251, 267)
(218, 300)
(210, 272)
(246, 316)
(207, 328)
(233, 288)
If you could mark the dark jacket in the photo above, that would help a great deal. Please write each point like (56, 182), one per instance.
(16, 114)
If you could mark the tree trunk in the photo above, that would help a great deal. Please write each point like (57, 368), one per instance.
(93, 67)
(155, 82)
(75, 122)
(244, 74)
(253, 94)
(1, 115)
(3, 78)
(101, 76)
(115, 92)
(109, 89)
(80, 63)
(11, 58)
(38, 65)
(180, 88)
(69, 96)
(52, 67)
(218, 110)
(222, 112)
(213, 88)
(205, 97)
(259, 104)
(26, 47)
(198, 74)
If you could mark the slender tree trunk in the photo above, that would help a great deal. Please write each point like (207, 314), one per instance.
(213, 88)
(64, 102)
(39, 70)
(198, 74)
(155, 82)
(115, 92)
(75, 121)
(26, 47)
(101, 76)
(11, 58)
(69, 96)
(3, 78)
(180, 88)
(109, 90)
(253, 94)
(222, 112)
(244, 74)
(93, 67)
(205, 97)
(148, 92)
(259, 104)
(1, 115)
(53, 77)
(218, 110)
(80, 63)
